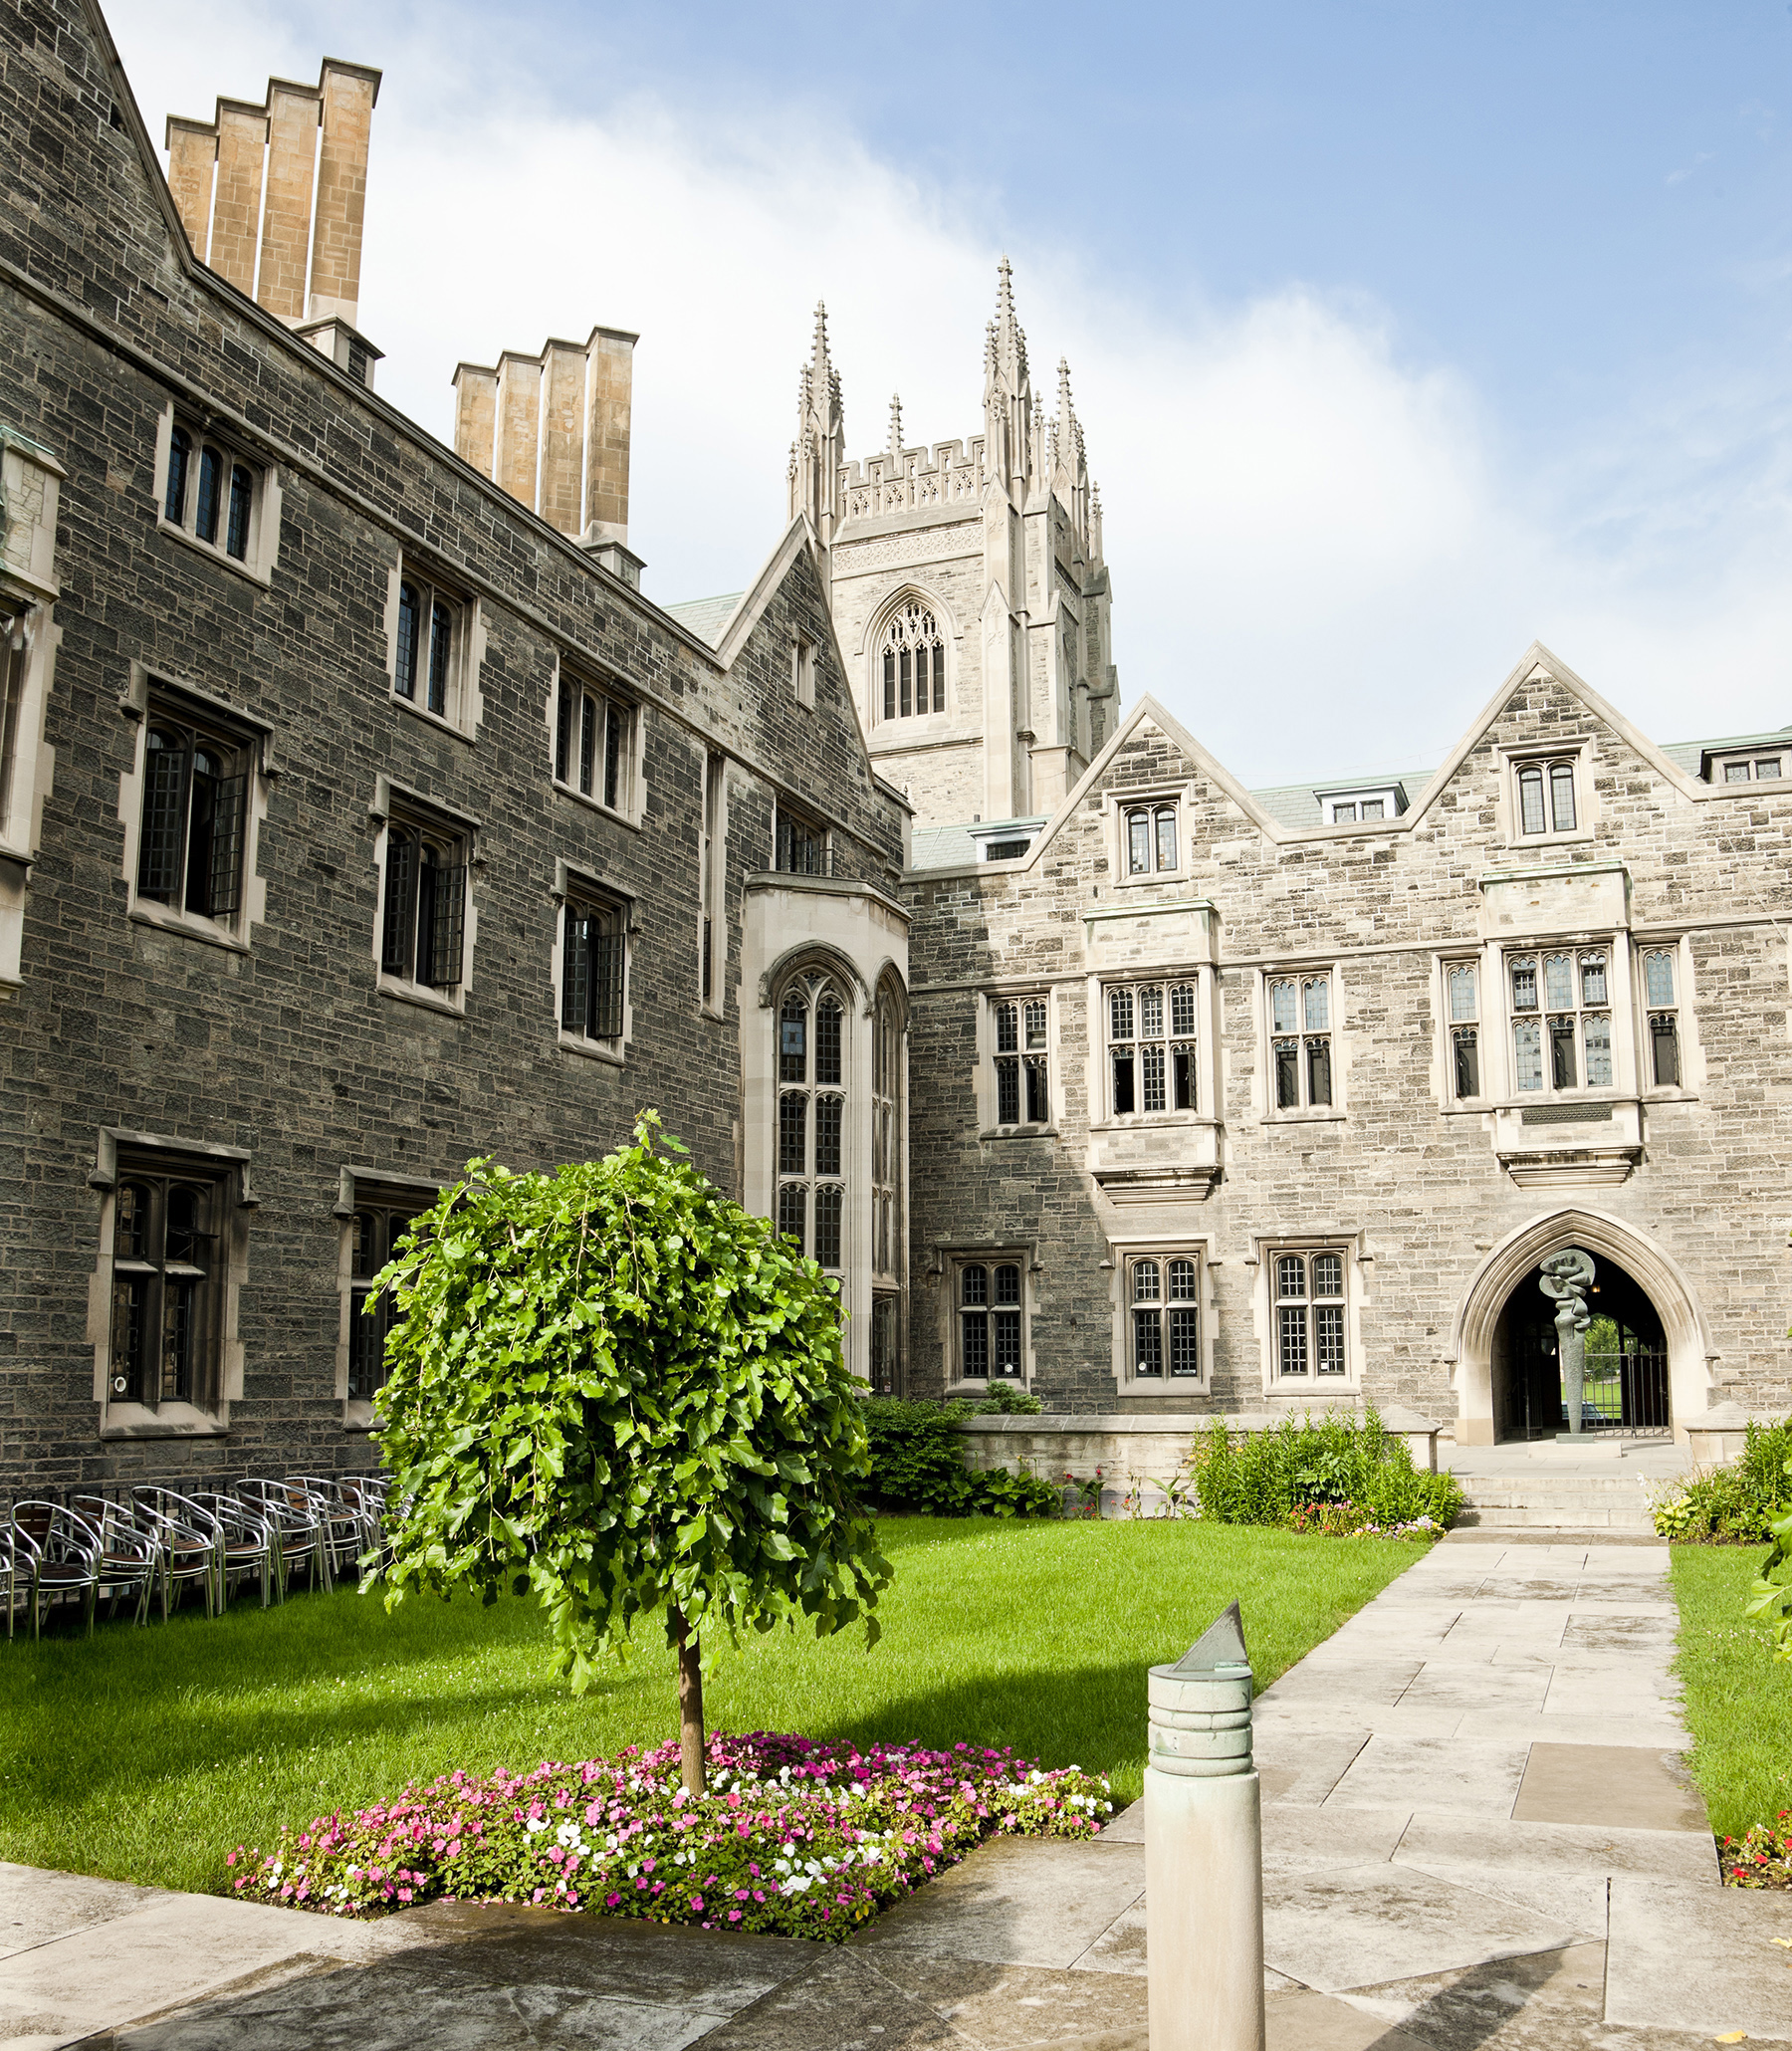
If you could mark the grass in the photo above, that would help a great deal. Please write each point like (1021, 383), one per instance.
(147, 1754)
(1738, 1699)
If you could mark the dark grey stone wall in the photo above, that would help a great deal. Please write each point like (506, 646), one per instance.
(287, 1050)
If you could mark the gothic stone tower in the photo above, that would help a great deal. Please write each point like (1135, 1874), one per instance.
(968, 593)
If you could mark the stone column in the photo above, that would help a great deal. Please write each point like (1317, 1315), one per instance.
(1204, 1851)
(236, 211)
(293, 115)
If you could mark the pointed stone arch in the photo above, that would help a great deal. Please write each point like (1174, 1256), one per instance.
(917, 621)
(1689, 1352)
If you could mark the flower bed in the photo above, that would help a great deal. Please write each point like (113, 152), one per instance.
(1763, 1858)
(792, 1837)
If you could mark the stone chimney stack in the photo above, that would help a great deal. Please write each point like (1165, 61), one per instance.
(293, 115)
(553, 431)
(348, 91)
(252, 220)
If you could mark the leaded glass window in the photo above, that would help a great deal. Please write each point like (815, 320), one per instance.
(1300, 1044)
(811, 1149)
(427, 648)
(1151, 839)
(1658, 969)
(1022, 1062)
(989, 1320)
(593, 968)
(1547, 796)
(1309, 1316)
(210, 493)
(913, 663)
(1164, 1306)
(1561, 1020)
(166, 1294)
(1462, 983)
(194, 816)
(423, 913)
(374, 1236)
(593, 742)
(1151, 1047)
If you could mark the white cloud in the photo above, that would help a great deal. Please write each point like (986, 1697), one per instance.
(1323, 559)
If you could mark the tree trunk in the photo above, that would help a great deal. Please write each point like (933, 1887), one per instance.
(690, 1706)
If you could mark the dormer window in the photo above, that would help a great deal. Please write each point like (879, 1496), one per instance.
(1751, 768)
(1362, 806)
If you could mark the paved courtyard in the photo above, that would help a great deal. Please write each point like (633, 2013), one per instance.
(1477, 1837)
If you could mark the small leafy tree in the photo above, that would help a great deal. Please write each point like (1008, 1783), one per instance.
(615, 1387)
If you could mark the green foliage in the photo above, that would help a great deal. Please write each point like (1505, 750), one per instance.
(1003, 1400)
(918, 1463)
(1342, 1463)
(1731, 1506)
(614, 1387)
(1739, 1699)
(1772, 1593)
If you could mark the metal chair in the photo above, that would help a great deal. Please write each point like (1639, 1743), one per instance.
(345, 1531)
(129, 1558)
(59, 1557)
(188, 1540)
(295, 1525)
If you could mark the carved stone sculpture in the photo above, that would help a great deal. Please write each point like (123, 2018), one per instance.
(1566, 1278)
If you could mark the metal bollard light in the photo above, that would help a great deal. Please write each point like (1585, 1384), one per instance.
(1204, 1851)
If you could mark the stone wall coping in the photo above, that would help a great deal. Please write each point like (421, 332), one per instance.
(1165, 1425)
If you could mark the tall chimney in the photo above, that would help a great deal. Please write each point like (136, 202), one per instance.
(609, 387)
(348, 92)
(561, 485)
(475, 415)
(519, 424)
(192, 152)
(293, 115)
(236, 212)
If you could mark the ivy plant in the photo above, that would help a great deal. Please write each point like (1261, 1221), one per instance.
(615, 1388)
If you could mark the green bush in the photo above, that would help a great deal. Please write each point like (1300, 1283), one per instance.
(1733, 1506)
(918, 1461)
(1281, 1477)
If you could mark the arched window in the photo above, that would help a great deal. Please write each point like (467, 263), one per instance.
(812, 1121)
(914, 663)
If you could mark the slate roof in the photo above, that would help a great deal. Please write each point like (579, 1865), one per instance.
(706, 618)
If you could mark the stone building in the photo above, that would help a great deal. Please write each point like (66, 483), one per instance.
(358, 813)
(361, 813)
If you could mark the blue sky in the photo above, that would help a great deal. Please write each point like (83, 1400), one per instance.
(1399, 334)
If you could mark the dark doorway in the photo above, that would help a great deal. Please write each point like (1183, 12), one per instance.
(1626, 1381)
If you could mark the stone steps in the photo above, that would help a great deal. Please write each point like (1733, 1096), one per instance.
(1566, 1503)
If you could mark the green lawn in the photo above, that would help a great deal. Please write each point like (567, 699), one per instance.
(147, 1754)
(1738, 1701)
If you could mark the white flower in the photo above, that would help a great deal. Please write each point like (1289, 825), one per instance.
(534, 1823)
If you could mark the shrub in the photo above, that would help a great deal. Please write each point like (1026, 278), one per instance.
(918, 1461)
(803, 1839)
(1731, 1506)
(1353, 1468)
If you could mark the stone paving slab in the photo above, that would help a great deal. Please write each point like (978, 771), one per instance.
(1619, 1786)
(1477, 1779)
(37, 1907)
(1699, 1958)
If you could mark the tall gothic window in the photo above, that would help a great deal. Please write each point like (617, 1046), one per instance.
(166, 1282)
(914, 663)
(195, 798)
(1561, 1018)
(811, 1119)
(886, 1137)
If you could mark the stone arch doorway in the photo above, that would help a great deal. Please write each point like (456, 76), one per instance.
(1505, 1371)
(1624, 1384)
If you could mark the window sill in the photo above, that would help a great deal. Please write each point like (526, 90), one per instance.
(1331, 1385)
(1157, 876)
(1155, 1121)
(189, 925)
(171, 1421)
(426, 1000)
(1328, 1114)
(256, 574)
(1522, 843)
(612, 1054)
(434, 720)
(1184, 1385)
(597, 804)
(357, 1414)
(1018, 1132)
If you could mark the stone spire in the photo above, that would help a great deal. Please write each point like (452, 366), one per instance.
(1069, 466)
(1011, 442)
(896, 428)
(821, 444)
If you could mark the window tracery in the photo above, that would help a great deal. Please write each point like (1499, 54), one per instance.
(913, 663)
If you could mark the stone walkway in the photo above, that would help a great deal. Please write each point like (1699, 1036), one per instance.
(1477, 1837)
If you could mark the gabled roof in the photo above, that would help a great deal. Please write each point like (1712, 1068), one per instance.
(1287, 812)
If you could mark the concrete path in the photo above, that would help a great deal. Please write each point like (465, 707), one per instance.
(1477, 1837)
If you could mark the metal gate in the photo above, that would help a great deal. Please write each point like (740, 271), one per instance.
(1627, 1392)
